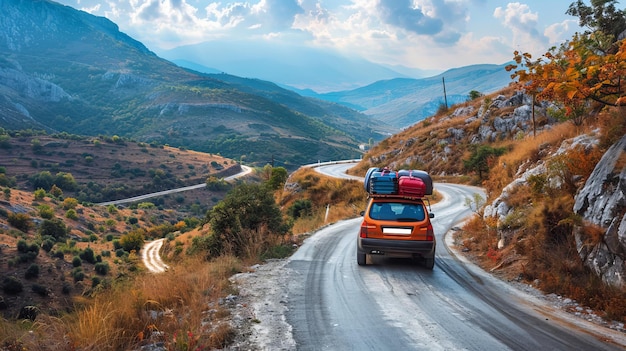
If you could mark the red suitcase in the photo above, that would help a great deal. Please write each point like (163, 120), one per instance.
(411, 186)
(423, 175)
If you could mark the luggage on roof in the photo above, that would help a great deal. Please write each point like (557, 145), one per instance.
(410, 183)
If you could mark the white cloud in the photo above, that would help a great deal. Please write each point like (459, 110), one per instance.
(523, 24)
(562, 31)
(431, 34)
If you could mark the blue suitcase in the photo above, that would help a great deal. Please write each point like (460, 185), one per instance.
(384, 182)
(368, 176)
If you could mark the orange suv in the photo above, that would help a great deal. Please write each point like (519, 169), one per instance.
(396, 225)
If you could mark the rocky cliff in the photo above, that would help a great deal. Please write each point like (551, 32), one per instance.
(602, 202)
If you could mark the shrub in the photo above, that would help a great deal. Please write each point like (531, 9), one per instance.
(71, 214)
(12, 286)
(78, 274)
(20, 221)
(69, 203)
(45, 212)
(40, 290)
(77, 262)
(47, 245)
(66, 289)
(102, 268)
(95, 281)
(120, 253)
(32, 271)
(88, 255)
(22, 246)
(39, 194)
(27, 252)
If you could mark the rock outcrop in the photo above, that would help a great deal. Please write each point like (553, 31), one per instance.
(602, 202)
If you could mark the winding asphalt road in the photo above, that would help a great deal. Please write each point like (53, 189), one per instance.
(393, 304)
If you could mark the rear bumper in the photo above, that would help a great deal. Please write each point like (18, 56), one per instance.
(404, 247)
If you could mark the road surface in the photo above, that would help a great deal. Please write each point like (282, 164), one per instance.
(152, 258)
(393, 304)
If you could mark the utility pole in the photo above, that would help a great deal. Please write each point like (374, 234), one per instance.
(445, 97)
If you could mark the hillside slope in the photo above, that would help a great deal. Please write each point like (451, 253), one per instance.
(555, 198)
(64, 70)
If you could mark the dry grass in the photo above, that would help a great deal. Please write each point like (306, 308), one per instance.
(179, 307)
(343, 199)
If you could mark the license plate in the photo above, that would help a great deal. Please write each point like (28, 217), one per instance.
(397, 231)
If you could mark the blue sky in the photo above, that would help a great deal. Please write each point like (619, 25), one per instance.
(425, 34)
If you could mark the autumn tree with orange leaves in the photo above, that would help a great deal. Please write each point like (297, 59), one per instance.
(591, 67)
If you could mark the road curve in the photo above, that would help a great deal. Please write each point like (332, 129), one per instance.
(393, 304)
(245, 171)
(152, 258)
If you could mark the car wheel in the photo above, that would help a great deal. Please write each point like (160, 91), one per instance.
(429, 262)
(361, 258)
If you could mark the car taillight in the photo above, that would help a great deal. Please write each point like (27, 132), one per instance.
(364, 227)
(430, 233)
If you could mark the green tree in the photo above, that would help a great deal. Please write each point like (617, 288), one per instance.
(56, 191)
(43, 180)
(216, 184)
(300, 208)
(134, 240)
(248, 209)
(600, 16)
(474, 94)
(481, 158)
(278, 178)
(65, 181)
(54, 228)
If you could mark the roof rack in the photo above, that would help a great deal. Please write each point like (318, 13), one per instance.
(396, 196)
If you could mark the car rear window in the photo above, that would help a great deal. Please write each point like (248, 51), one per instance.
(397, 211)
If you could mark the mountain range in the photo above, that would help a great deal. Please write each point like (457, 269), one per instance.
(64, 70)
(298, 67)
